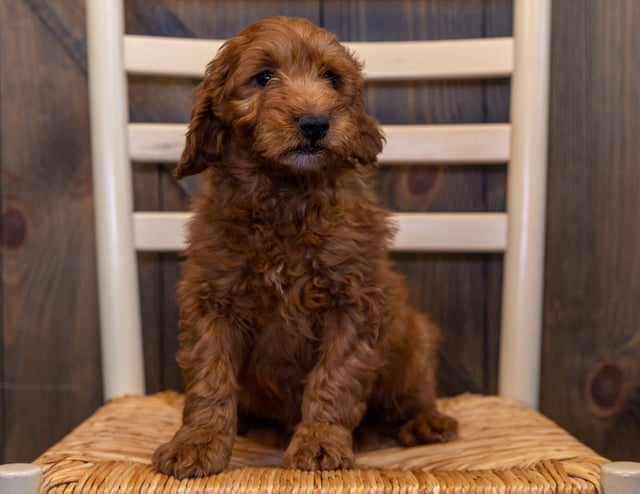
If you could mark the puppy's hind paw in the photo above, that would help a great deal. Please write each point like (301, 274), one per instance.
(320, 446)
(429, 426)
(183, 460)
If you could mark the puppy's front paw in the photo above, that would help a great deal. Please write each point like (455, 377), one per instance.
(320, 446)
(184, 459)
(429, 426)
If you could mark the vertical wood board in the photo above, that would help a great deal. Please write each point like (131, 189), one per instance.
(591, 357)
(51, 371)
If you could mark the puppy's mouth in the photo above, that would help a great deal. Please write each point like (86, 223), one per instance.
(305, 157)
(309, 149)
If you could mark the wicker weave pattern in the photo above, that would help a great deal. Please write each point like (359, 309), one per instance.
(504, 447)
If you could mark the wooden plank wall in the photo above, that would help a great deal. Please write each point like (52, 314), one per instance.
(49, 362)
(51, 373)
(591, 362)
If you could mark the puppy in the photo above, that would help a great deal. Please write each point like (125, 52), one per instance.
(289, 309)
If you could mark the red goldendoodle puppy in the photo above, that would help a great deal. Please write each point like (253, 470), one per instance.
(289, 309)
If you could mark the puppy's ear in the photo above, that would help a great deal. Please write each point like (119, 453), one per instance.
(205, 135)
(370, 138)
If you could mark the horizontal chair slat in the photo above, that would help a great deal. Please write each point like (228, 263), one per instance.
(160, 231)
(451, 232)
(159, 55)
(400, 60)
(439, 232)
(461, 143)
(156, 142)
(456, 59)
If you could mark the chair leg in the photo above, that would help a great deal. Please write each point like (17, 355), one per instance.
(20, 478)
(621, 477)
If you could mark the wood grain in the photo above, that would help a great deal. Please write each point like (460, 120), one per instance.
(51, 371)
(591, 358)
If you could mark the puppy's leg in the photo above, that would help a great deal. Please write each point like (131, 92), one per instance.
(334, 399)
(412, 383)
(202, 445)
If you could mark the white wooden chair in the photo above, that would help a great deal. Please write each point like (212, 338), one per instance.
(524, 453)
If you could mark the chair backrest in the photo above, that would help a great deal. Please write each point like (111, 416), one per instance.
(520, 144)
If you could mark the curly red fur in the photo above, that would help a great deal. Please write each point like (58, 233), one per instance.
(289, 309)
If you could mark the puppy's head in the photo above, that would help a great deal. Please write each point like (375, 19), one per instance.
(286, 95)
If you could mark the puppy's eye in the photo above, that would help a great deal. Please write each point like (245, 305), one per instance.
(263, 77)
(332, 77)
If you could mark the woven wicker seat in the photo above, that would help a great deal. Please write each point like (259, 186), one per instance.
(504, 446)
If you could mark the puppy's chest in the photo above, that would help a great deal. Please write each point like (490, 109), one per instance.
(287, 263)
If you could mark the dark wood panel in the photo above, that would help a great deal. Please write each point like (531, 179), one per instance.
(591, 372)
(51, 364)
(210, 18)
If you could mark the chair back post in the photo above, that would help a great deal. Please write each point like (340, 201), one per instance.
(20, 478)
(121, 334)
(520, 346)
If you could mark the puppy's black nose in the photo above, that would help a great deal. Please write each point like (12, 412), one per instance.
(313, 127)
